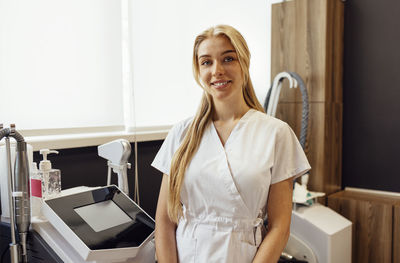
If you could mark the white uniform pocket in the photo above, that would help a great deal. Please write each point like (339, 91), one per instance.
(186, 249)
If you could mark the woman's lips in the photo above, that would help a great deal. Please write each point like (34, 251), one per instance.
(220, 84)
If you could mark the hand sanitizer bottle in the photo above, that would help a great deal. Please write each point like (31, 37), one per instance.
(36, 191)
(51, 178)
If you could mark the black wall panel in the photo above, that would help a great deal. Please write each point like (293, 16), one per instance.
(83, 166)
(371, 95)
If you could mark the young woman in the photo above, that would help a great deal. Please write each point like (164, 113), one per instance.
(227, 167)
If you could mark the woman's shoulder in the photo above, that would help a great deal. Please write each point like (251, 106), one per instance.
(261, 119)
(180, 128)
(277, 129)
(183, 124)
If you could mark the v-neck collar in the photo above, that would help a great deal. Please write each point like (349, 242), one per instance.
(234, 130)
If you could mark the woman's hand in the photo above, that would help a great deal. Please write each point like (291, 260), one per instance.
(279, 209)
(165, 229)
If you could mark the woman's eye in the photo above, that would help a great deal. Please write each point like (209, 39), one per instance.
(228, 59)
(205, 63)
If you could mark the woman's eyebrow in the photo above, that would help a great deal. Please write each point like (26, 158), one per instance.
(223, 53)
(228, 51)
(204, 56)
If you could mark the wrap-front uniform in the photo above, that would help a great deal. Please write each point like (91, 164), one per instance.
(225, 188)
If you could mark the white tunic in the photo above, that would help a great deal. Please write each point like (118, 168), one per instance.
(225, 188)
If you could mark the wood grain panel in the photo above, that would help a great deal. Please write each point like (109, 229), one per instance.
(372, 226)
(366, 196)
(283, 41)
(307, 37)
(396, 233)
(317, 48)
(333, 147)
(299, 43)
(337, 29)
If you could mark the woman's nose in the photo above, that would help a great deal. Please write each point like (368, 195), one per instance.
(218, 69)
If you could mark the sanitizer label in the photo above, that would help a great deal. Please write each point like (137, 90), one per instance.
(36, 187)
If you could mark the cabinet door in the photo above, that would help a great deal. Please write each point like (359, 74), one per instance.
(307, 38)
(372, 225)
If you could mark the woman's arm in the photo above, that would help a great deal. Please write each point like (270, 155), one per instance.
(165, 229)
(279, 209)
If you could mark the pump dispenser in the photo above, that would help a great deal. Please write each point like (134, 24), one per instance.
(36, 191)
(51, 178)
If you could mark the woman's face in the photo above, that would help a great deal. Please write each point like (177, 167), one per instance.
(219, 69)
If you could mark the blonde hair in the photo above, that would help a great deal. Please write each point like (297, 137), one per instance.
(192, 139)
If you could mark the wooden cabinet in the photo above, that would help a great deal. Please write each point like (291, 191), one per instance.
(376, 224)
(396, 234)
(307, 38)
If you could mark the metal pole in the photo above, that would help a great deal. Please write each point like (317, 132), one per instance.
(14, 247)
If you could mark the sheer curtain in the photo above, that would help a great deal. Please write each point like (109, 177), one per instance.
(60, 64)
(162, 34)
(124, 64)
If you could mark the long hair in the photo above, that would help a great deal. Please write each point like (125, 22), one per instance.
(192, 139)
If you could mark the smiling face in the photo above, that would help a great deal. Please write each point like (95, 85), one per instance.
(219, 69)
